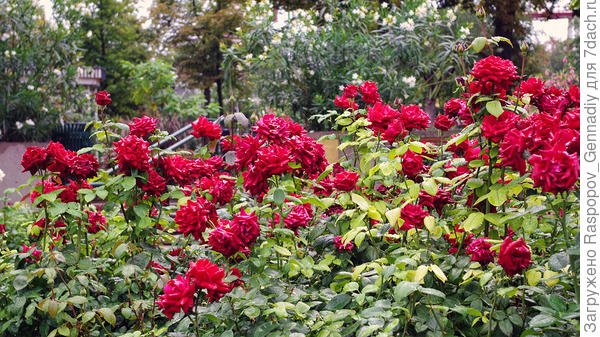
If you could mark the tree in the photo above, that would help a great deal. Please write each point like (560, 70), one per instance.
(113, 35)
(197, 31)
(508, 18)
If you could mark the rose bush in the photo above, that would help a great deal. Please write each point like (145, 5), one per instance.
(401, 238)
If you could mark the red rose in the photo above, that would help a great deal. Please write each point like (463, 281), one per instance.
(84, 166)
(246, 226)
(574, 94)
(60, 159)
(443, 123)
(480, 251)
(34, 159)
(369, 91)
(225, 240)
(555, 170)
(207, 275)
(380, 115)
(299, 216)
(350, 91)
(341, 247)
(195, 216)
(494, 74)
(414, 118)
(412, 164)
(2, 228)
(273, 128)
(309, 154)
(97, 222)
(394, 130)
(533, 86)
(205, 128)
(454, 107)
(132, 153)
(103, 98)
(437, 201)
(255, 182)
(155, 184)
(512, 149)
(220, 187)
(494, 128)
(514, 256)
(345, 103)
(570, 119)
(345, 180)
(178, 295)
(245, 151)
(143, 126)
(33, 251)
(273, 160)
(554, 101)
(413, 216)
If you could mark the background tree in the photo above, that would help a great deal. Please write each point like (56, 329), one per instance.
(113, 35)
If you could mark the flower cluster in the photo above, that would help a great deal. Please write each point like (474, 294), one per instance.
(202, 276)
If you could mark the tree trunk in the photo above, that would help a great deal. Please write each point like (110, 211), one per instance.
(220, 94)
(207, 95)
(505, 21)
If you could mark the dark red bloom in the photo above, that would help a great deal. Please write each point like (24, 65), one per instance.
(35, 253)
(84, 166)
(370, 93)
(2, 228)
(345, 102)
(394, 130)
(574, 95)
(455, 107)
(274, 129)
(443, 123)
(350, 91)
(178, 295)
(142, 127)
(60, 159)
(480, 251)
(132, 154)
(225, 240)
(205, 128)
(532, 86)
(309, 154)
(514, 256)
(206, 275)
(154, 185)
(494, 128)
(381, 115)
(246, 226)
(34, 159)
(341, 247)
(346, 180)
(554, 101)
(413, 216)
(220, 187)
(512, 150)
(103, 98)
(255, 182)
(97, 222)
(299, 216)
(494, 74)
(414, 118)
(437, 201)
(245, 151)
(273, 160)
(412, 164)
(194, 217)
(555, 170)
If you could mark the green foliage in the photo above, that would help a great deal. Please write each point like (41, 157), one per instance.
(298, 66)
(38, 69)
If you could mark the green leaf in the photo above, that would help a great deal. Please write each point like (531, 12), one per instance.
(77, 300)
(350, 287)
(478, 44)
(432, 292)
(497, 196)
(279, 196)
(430, 186)
(437, 271)
(392, 215)
(128, 183)
(533, 277)
(20, 282)
(541, 321)
(362, 203)
(282, 251)
(108, 315)
(494, 108)
(367, 330)
(473, 221)
(64, 331)
(338, 302)
(403, 289)
(506, 327)
(501, 39)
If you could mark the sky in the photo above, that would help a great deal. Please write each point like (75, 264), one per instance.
(543, 30)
